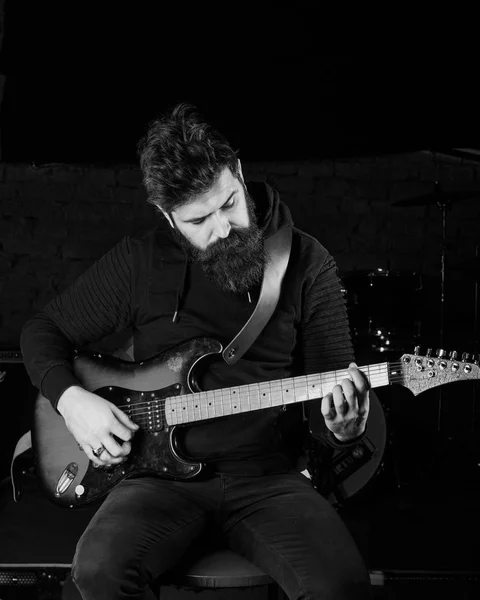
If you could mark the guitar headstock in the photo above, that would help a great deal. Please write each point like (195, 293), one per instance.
(420, 373)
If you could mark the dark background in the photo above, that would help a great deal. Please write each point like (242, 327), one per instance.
(288, 85)
(282, 83)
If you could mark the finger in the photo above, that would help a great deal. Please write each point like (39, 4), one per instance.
(363, 386)
(350, 395)
(364, 405)
(115, 449)
(122, 432)
(108, 460)
(339, 402)
(327, 408)
(359, 378)
(97, 462)
(124, 418)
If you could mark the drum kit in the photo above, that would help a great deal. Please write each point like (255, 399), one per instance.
(385, 306)
(389, 316)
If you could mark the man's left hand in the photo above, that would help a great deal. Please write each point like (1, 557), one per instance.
(346, 408)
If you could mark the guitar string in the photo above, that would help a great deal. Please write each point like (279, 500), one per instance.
(376, 374)
(273, 387)
(279, 387)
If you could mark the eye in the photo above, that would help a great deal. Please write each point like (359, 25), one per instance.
(229, 204)
(197, 222)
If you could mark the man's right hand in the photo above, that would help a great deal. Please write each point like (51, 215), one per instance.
(93, 421)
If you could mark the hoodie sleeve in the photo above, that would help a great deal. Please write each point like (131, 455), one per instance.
(326, 343)
(96, 304)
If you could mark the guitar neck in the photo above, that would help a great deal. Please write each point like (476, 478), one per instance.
(200, 406)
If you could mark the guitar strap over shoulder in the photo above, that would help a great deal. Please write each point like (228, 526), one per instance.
(277, 248)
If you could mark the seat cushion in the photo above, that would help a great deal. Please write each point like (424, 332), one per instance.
(220, 568)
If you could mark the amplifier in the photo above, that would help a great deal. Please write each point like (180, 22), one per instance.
(11, 356)
(37, 581)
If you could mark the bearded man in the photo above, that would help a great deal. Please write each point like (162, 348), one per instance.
(198, 273)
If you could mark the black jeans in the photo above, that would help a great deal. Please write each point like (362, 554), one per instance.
(279, 522)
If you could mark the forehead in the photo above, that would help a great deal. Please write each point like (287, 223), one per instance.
(211, 199)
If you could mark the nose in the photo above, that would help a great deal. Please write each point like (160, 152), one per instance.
(221, 227)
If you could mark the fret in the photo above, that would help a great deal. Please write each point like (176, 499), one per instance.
(209, 405)
(218, 402)
(254, 396)
(276, 395)
(287, 390)
(314, 388)
(198, 407)
(377, 374)
(266, 394)
(300, 388)
(236, 400)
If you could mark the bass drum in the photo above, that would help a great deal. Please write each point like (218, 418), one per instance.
(340, 474)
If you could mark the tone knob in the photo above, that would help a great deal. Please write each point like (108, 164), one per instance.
(79, 490)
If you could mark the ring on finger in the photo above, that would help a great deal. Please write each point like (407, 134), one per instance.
(98, 451)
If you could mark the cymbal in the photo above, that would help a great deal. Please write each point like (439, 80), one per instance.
(439, 197)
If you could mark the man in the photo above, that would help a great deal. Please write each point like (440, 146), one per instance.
(198, 274)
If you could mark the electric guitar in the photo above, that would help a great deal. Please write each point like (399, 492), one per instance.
(162, 394)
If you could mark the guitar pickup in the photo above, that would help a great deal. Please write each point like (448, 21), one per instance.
(66, 479)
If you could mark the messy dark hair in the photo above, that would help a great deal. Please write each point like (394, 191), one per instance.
(182, 156)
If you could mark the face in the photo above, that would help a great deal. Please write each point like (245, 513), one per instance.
(211, 216)
(218, 230)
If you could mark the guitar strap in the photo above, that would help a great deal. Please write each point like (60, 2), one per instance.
(277, 248)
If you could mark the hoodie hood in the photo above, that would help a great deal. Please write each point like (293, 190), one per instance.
(272, 213)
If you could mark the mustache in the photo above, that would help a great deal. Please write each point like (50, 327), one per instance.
(238, 241)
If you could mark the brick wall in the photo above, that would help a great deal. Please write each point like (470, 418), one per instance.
(55, 220)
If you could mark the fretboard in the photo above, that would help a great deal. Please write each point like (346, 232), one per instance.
(200, 406)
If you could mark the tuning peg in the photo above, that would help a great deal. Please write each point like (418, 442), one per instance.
(465, 356)
(416, 351)
(428, 352)
(477, 359)
(453, 355)
(441, 353)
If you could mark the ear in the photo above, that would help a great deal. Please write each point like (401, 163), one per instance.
(169, 218)
(240, 172)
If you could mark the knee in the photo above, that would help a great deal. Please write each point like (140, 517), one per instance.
(96, 567)
(89, 574)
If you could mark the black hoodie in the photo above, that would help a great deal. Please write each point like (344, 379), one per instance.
(146, 285)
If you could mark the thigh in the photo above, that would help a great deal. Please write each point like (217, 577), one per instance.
(294, 534)
(141, 530)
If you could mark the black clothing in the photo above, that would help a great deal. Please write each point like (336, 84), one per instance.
(143, 281)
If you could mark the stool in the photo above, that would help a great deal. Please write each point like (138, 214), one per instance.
(219, 568)
(222, 568)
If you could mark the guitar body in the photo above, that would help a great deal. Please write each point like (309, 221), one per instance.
(65, 472)
(339, 474)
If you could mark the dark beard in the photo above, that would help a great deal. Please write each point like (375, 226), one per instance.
(236, 263)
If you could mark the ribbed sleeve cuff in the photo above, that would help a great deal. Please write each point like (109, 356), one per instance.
(56, 381)
(332, 441)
